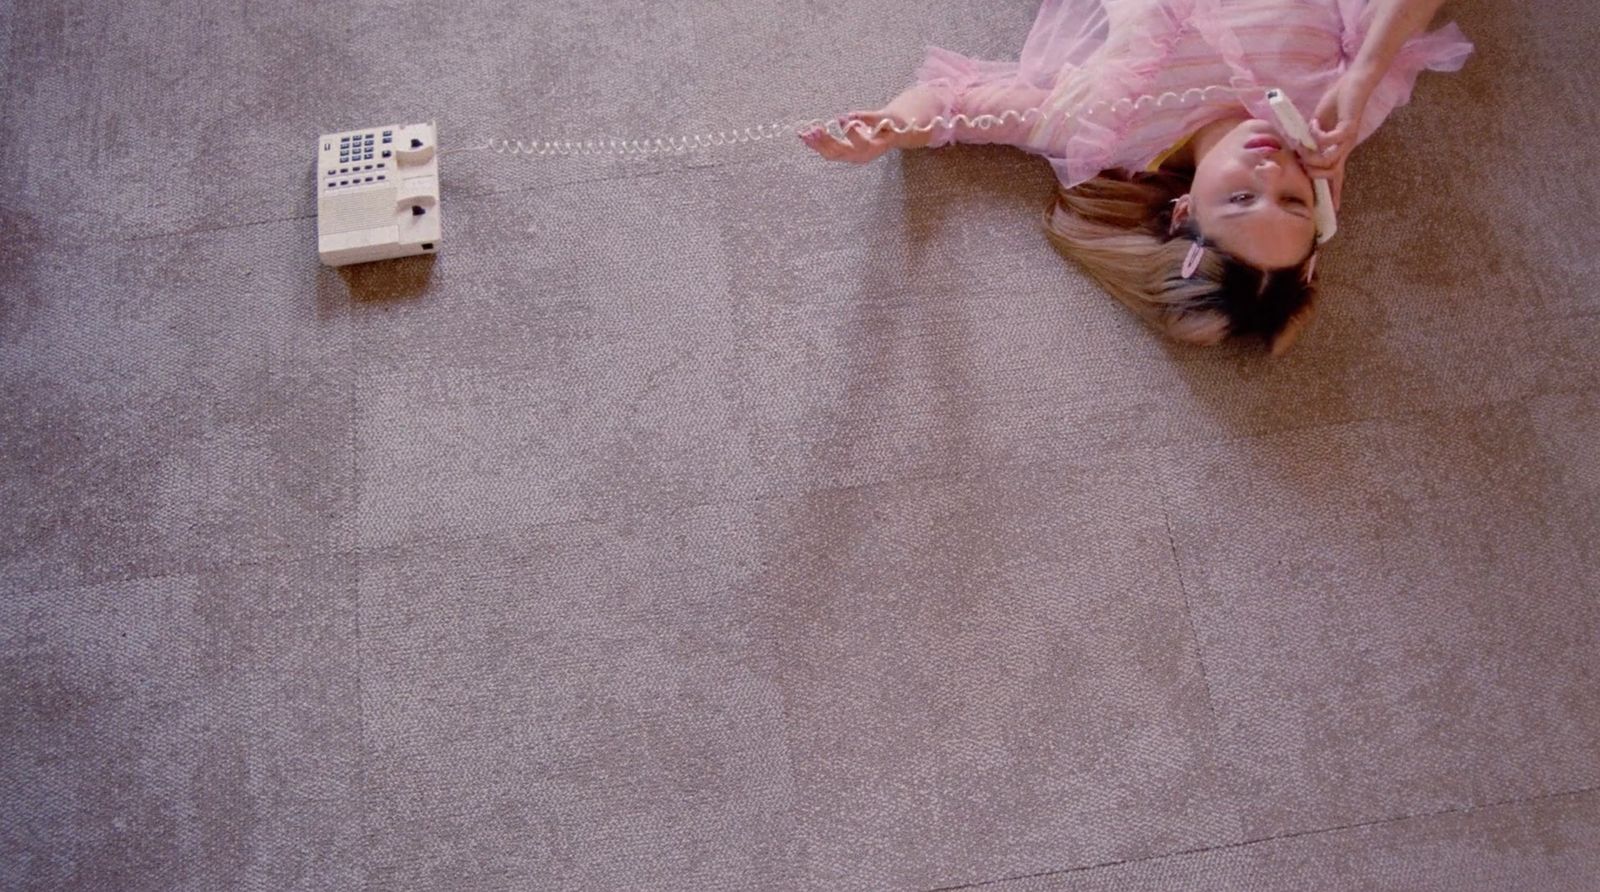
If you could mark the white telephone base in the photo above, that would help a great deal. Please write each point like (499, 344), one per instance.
(377, 193)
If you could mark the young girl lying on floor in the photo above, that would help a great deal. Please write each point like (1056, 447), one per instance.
(1176, 192)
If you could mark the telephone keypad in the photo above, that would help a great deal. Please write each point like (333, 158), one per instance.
(357, 148)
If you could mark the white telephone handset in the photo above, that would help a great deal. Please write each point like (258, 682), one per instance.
(377, 193)
(1294, 126)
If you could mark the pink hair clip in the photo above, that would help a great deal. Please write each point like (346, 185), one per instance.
(1192, 262)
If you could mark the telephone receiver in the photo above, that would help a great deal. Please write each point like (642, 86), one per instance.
(1294, 127)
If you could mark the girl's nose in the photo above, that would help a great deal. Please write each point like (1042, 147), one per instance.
(1283, 163)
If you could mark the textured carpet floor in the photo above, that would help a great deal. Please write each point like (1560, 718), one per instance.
(742, 521)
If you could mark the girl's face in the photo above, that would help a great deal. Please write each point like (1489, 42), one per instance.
(1253, 199)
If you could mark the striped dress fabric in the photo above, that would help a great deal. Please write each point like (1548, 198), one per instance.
(1119, 82)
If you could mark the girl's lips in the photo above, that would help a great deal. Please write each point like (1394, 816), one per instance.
(1268, 143)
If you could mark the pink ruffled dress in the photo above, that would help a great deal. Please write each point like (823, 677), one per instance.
(1119, 83)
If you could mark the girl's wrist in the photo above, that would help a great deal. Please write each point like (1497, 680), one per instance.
(1372, 70)
(915, 107)
(1366, 72)
(1356, 86)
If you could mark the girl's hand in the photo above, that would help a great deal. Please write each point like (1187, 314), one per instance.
(1337, 125)
(1335, 184)
(862, 147)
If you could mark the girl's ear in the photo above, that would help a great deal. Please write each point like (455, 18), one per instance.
(1285, 337)
(1180, 213)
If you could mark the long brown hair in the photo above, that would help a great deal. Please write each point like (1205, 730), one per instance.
(1118, 227)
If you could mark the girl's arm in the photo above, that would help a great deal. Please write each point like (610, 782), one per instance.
(919, 105)
(1393, 23)
(1336, 125)
(1005, 100)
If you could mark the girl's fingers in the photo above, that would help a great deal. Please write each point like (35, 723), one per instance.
(1322, 171)
(1327, 113)
(1338, 133)
(861, 139)
(1317, 157)
(1335, 182)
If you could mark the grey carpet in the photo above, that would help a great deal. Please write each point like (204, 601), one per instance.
(741, 521)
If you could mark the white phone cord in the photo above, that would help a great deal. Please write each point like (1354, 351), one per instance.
(834, 128)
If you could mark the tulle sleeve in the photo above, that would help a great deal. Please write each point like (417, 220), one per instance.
(1098, 100)
(1110, 83)
(977, 88)
(1065, 34)
(1078, 53)
(1445, 49)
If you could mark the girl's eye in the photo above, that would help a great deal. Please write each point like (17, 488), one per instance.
(1240, 197)
(1295, 200)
